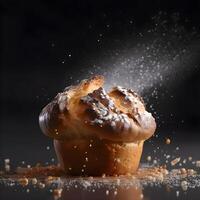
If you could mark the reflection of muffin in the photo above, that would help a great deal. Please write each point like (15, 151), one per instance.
(97, 132)
(118, 192)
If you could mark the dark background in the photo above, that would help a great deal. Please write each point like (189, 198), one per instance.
(47, 45)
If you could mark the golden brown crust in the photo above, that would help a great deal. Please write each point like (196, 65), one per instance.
(59, 118)
(98, 157)
(86, 110)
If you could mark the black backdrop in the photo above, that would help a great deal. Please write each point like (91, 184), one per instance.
(47, 45)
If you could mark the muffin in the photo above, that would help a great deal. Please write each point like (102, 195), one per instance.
(97, 132)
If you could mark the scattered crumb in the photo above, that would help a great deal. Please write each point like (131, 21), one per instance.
(184, 185)
(49, 179)
(175, 161)
(103, 175)
(155, 162)
(183, 171)
(148, 158)
(41, 185)
(48, 147)
(23, 181)
(7, 161)
(34, 181)
(191, 172)
(57, 193)
(167, 141)
(189, 158)
(198, 163)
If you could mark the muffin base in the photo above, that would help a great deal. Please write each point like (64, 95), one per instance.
(98, 157)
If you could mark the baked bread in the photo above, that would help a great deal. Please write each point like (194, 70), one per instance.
(96, 132)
